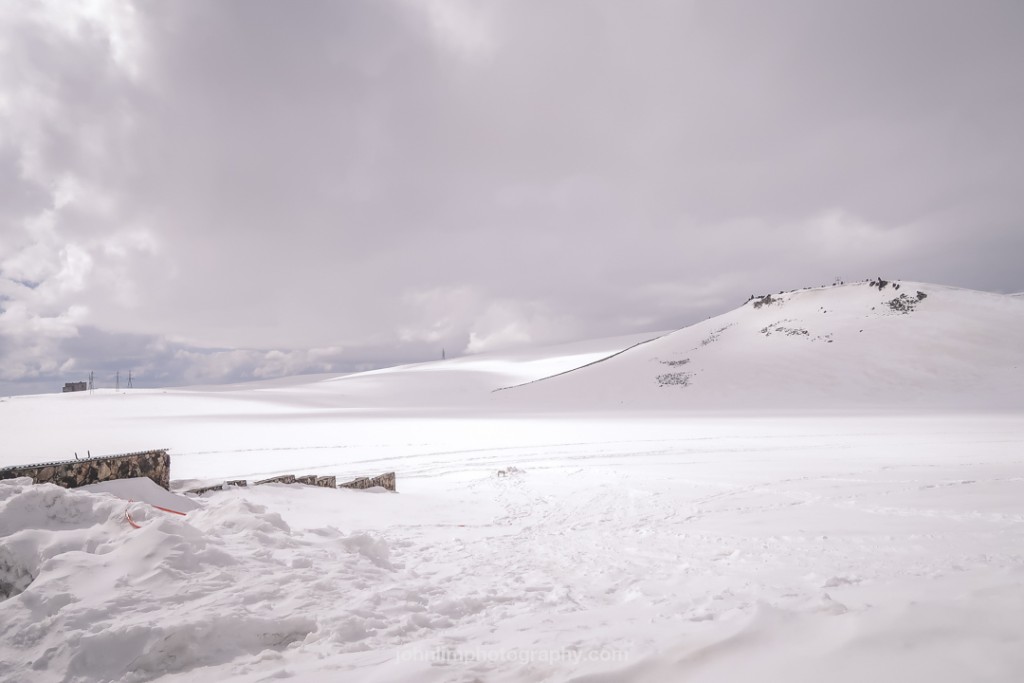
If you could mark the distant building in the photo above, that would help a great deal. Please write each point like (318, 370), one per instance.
(74, 386)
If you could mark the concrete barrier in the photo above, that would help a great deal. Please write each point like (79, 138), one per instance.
(73, 473)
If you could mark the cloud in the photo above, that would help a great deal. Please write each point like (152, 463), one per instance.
(509, 323)
(395, 177)
(462, 26)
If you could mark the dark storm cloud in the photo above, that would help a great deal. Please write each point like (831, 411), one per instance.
(406, 176)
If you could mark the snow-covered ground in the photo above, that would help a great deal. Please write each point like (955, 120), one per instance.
(799, 506)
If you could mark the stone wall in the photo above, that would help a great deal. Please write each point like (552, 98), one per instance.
(72, 473)
(386, 480)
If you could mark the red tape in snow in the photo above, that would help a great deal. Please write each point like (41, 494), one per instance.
(175, 512)
(129, 517)
(135, 524)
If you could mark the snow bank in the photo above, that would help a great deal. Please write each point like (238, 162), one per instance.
(145, 490)
(87, 597)
(40, 523)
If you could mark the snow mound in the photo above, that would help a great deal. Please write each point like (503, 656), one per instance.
(87, 597)
(41, 523)
(145, 490)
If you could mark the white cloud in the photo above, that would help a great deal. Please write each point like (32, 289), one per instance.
(33, 347)
(839, 233)
(463, 26)
(203, 366)
(19, 322)
(116, 20)
(507, 324)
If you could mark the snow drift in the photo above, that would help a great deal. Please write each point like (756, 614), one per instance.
(109, 602)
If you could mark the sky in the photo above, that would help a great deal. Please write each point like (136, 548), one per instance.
(208, 192)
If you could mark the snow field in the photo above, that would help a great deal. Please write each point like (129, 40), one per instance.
(805, 547)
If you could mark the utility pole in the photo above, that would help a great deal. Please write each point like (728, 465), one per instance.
(117, 381)
(129, 379)
(442, 354)
(91, 385)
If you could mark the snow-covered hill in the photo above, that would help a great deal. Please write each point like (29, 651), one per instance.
(315, 416)
(854, 345)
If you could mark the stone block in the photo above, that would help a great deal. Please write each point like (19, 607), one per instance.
(386, 480)
(203, 489)
(281, 479)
